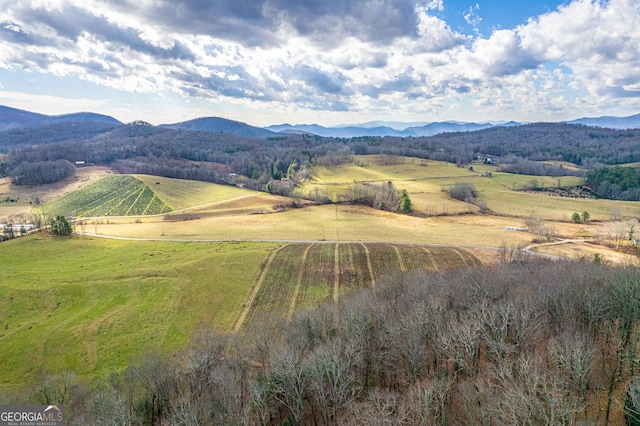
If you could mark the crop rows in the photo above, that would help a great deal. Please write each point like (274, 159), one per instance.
(110, 196)
(303, 275)
(446, 258)
(354, 269)
(156, 206)
(384, 260)
(318, 276)
(416, 259)
(278, 287)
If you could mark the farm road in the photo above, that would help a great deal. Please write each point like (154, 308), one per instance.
(528, 249)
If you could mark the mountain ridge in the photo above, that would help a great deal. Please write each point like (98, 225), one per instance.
(219, 124)
(13, 118)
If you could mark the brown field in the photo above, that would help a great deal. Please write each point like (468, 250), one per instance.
(207, 211)
(503, 193)
(316, 223)
(584, 250)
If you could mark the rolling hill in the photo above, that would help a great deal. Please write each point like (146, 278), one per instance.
(220, 125)
(109, 196)
(631, 122)
(13, 118)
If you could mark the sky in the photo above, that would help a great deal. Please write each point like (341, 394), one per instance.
(328, 62)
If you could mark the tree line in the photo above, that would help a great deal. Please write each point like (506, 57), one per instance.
(535, 168)
(527, 342)
(224, 158)
(42, 172)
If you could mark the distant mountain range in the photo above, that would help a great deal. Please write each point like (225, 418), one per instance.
(422, 129)
(631, 122)
(11, 118)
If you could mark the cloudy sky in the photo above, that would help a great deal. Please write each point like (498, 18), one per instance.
(322, 61)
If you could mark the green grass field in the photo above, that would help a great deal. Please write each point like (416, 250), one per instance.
(182, 194)
(90, 305)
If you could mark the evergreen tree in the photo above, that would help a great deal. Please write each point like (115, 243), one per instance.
(405, 202)
(61, 226)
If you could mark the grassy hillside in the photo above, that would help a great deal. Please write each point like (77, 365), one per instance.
(90, 305)
(425, 181)
(110, 196)
(182, 194)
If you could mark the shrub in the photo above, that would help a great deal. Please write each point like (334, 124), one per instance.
(61, 226)
(463, 191)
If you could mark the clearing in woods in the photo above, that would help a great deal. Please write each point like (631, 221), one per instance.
(302, 275)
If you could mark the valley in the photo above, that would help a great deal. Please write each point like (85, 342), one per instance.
(157, 263)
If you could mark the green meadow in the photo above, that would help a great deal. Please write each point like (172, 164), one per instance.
(91, 305)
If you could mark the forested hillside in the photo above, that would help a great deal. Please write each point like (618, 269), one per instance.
(224, 158)
(619, 183)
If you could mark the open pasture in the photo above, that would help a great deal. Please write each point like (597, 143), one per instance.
(426, 182)
(182, 194)
(550, 207)
(89, 305)
(250, 203)
(376, 168)
(303, 275)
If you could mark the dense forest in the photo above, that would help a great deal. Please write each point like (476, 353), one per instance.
(39, 172)
(618, 183)
(527, 342)
(224, 158)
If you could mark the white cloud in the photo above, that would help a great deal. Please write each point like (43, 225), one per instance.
(472, 17)
(598, 41)
(434, 5)
(315, 55)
